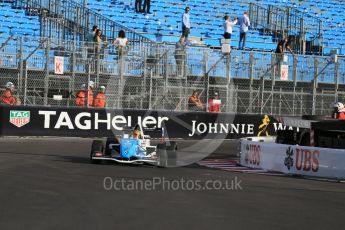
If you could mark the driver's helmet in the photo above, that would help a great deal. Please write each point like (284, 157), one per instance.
(339, 107)
(9, 85)
(83, 87)
(136, 133)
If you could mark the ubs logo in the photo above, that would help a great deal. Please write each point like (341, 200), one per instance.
(302, 159)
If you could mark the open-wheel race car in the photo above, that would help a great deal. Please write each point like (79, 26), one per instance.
(134, 147)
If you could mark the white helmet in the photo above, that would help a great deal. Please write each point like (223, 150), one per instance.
(340, 107)
(91, 84)
(10, 85)
(102, 88)
(83, 87)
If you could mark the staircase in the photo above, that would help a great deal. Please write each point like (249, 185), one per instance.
(72, 21)
(287, 22)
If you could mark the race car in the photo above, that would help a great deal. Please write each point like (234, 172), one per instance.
(134, 147)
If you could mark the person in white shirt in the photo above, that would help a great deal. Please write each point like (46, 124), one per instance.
(228, 26)
(121, 42)
(186, 23)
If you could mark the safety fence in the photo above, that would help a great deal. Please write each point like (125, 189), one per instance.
(157, 76)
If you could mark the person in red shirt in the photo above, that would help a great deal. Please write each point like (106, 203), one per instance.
(90, 92)
(194, 102)
(81, 97)
(214, 104)
(7, 96)
(339, 111)
(100, 99)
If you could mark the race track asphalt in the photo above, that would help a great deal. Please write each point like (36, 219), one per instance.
(48, 183)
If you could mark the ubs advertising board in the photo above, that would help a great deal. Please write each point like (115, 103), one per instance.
(83, 122)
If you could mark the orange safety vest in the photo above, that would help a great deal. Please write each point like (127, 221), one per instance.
(341, 116)
(99, 101)
(90, 98)
(212, 107)
(80, 100)
(8, 98)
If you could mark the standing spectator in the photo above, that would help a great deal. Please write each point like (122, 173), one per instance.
(85, 97)
(81, 96)
(194, 102)
(90, 94)
(90, 40)
(186, 23)
(279, 54)
(147, 5)
(180, 55)
(138, 6)
(121, 43)
(228, 26)
(244, 24)
(7, 95)
(98, 41)
(100, 99)
(214, 104)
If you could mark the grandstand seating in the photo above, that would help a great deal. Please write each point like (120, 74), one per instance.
(206, 17)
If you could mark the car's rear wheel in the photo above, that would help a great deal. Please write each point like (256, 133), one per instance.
(166, 153)
(97, 147)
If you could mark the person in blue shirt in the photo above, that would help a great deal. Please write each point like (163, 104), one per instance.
(244, 23)
(186, 23)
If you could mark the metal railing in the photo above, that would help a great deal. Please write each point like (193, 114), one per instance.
(70, 20)
(287, 21)
(147, 76)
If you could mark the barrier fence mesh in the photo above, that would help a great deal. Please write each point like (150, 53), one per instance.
(158, 76)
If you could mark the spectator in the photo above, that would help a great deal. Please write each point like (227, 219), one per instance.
(194, 102)
(81, 96)
(180, 55)
(214, 104)
(186, 23)
(90, 93)
(100, 99)
(98, 41)
(7, 95)
(339, 111)
(228, 26)
(147, 5)
(281, 47)
(244, 24)
(138, 6)
(90, 40)
(121, 43)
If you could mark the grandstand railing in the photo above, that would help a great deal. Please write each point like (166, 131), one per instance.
(147, 77)
(284, 22)
(74, 17)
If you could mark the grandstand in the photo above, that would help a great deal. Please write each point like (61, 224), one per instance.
(34, 32)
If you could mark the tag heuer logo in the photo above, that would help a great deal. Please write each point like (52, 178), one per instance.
(19, 118)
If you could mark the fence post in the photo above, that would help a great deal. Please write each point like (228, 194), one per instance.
(251, 79)
(336, 80)
(46, 77)
(21, 67)
(294, 76)
(73, 66)
(316, 73)
(25, 77)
